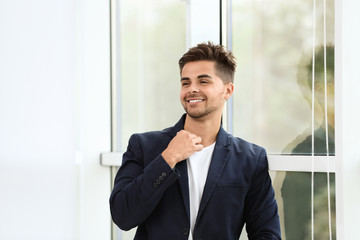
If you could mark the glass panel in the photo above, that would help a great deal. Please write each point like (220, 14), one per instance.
(152, 39)
(293, 195)
(272, 41)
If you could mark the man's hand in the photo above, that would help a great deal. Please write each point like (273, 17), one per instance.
(181, 147)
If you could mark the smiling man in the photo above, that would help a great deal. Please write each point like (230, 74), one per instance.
(194, 180)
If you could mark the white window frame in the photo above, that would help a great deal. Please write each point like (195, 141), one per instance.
(302, 163)
(201, 26)
(345, 163)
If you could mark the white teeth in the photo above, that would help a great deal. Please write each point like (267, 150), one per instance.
(194, 101)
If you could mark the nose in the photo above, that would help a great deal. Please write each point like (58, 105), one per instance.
(193, 89)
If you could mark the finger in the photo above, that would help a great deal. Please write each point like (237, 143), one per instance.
(186, 134)
(180, 132)
(191, 135)
(199, 147)
(197, 140)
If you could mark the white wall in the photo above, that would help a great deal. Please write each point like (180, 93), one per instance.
(349, 170)
(54, 119)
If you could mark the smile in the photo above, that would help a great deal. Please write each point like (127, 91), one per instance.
(195, 100)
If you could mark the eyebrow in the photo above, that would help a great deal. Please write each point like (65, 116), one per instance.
(200, 76)
(204, 76)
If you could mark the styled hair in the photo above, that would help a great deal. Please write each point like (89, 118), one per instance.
(319, 64)
(305, 68)
(224, 60)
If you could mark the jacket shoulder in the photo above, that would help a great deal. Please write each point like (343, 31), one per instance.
(154, 135)
(152, 141)
(253, 154)
(241, 145)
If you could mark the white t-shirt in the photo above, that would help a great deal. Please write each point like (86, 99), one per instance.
(198, 166)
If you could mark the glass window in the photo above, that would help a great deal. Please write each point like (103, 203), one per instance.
(272, 41)
(272, 102)
(293, 195)
(152, 38)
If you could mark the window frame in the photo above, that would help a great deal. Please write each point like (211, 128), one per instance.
(217, 28)
(303, 163)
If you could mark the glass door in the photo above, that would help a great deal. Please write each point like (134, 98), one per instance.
(148, 38)
(275, 42)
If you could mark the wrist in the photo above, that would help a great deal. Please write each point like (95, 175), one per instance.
(169, 158)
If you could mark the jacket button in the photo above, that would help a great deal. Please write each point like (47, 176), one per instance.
(161, 178)
(158, 181)
(164, 174)
(155, 185)
(186, 231)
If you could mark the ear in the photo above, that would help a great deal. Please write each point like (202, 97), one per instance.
(319, 86)
(229, 89)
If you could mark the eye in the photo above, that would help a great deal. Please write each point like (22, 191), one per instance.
(184, 83)
(204, 82)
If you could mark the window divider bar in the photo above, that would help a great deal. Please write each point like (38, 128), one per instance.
(302, 163)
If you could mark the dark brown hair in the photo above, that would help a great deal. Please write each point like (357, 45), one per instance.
(320, 65)
(224, 60)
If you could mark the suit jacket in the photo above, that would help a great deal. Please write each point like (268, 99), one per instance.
(149, 194)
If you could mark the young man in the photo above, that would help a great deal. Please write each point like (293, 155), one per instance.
(194, 180)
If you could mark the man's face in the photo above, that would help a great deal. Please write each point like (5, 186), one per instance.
(203, 93)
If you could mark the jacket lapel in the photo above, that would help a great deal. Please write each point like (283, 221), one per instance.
(184, 185)
(218, 162)
(182, 168)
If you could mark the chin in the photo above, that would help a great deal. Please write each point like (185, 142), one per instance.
(198, 115)
(195, 114)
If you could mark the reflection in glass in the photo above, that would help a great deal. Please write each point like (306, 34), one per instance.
(296, 186)
(272, 41)
(293, 194)
(301, 145)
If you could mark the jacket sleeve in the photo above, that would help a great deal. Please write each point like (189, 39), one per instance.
(138, 188)
(261, 211)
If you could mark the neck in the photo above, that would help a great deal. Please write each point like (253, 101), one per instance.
(206, 128)
(320, 117)
(331, 119)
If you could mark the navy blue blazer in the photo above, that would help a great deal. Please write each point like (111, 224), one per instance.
(148, 194)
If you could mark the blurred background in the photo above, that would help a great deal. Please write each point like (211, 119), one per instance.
(77, 78)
